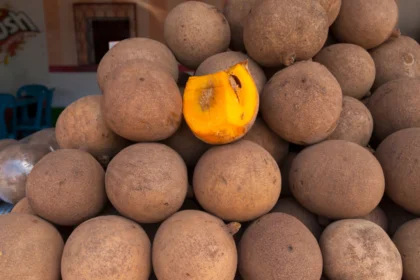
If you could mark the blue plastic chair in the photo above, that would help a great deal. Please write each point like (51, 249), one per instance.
(7, 101)
(31, 95)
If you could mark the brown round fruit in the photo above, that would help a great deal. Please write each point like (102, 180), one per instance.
(396, 215)
(30, 248)
(332, 7)
(187, 145)
(23, 207)
(408, 243)
(399, 156)
(395, 106)
(6, 142)
(367, 23)
(107, 248)
(359, 249)
(292, 207)
(302, 103)
(147, 182)
(342, 168)
(82, 126)
(136, 48)
(16, 162)
(225, 60)
(236, 12)
(261, 134)
(355, 124)
(351, 65)
(279, 246)
(66, 187)
(196, 245)
(278, 32)
(237, 182)
(142, 102)
(396, 58)
(194, 31)
(378, 217)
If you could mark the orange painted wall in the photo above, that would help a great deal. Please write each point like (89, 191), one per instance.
(60, 24)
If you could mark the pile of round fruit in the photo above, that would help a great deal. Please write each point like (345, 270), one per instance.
(292, 153)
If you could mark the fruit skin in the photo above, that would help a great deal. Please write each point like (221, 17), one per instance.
(351, 65)
(396, 58)
(107, 248)
(378, 217)
(237, 182)
(395, 106)
(147, 182)
(194, 244)
(279, 246)
(66, 187)
(332, 7)
(23, 207)
(398, 155)
(136, 48)
(6, 142)
(367, 23)
(195, 31)
(344, 168)
(142, 102)
(30, 248)
(355, 123)
(408, 243)
(359, 249)
(280, 32)
(302, 103)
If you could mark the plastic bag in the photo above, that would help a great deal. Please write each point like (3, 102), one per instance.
(43, 137)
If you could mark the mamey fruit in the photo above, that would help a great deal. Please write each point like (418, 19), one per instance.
(395, 106)
(30, 248)
(359, 249)
(292, 207)
(195, 31)
(82, 126)
(261, 134)
(237, 182)
(107, 248)
(181, 248)
(332, 7)
(6, 142)
(16, 162)
(236, 12)
(397, 216)
(142, 102)
(136, 48)
(147, 182)
(302, 103)
(408, 243)
(275, 245)
(367, 23)
(351, 65)
(348, 170)
(66, 187)
(225, 60)
(220, 108)
(279, 32)
(396, 58)
(378, 217)
(398, 155)
(23, 207)
(355, 123)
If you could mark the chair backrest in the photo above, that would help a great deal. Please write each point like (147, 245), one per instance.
(6, 101)
(32, 90)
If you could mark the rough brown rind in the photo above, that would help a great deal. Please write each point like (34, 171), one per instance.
(194, 31)
(107, 248)
(378, 217)
(136, 48)
(332, 7)
(280, 32)
(395, 106)
(396, 58)
(346, 170)
(142, 102)
(23, 207)
(351, 65)
(367, 23)
(237, 182)
(279, 246)
(302, 103)
(194, 244)
(359, 249)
